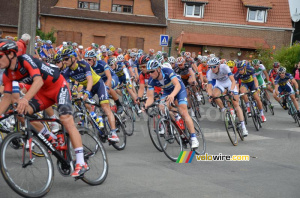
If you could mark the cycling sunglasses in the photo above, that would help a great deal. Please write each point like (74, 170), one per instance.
(151, 72)
(89, 59)
(1, 55)
(144, 66)
(214, 66)
(66, 59)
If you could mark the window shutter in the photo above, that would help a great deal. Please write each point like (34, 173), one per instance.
(140, 43)
(124, 42)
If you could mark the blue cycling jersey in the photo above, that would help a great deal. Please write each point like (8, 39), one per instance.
(246, 77)
(100, 68)
(283, 81)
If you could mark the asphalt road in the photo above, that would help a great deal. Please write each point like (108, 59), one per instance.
(141, 171)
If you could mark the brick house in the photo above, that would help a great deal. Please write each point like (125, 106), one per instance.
(122, 23)
(226, 27)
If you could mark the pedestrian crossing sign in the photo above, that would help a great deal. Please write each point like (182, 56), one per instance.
(164, 39)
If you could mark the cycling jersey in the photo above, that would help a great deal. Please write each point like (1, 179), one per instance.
(54, 89)
(119, 69)
(259, 74)
(273, 74)
(284, 83)
(247, 76)
(100, 69)
(203, 69)
(80, 73)
(167, 85)
(184, 73)
(144, 78)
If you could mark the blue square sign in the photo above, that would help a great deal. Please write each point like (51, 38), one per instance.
(164, 39)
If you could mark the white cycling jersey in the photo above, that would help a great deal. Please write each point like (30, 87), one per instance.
(167, 65)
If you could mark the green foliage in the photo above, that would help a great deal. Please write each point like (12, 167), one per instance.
(288, 56)
(46, 36)
(266, 56)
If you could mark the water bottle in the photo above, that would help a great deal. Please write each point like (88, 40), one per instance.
(100, 121)
(232, 113)
(93, 115)
(179, 121)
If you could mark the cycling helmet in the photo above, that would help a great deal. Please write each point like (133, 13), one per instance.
(139, 55)
(74, 44)
(158, 52)
(80, 47)
(68, 53)
(143, 59)
(57, 58)
(153, 64)
(49, 42)
(242, 64)
(180, 60)
(111, 61)
(109, 53)
(7, 46)
(171, 59)
(132, 54)
(103, 47)
(112, 48)
(159, 58)
(119, 50)
(90, 54)
(255, 62)
(214, 61)
(231, 63)
(151, 51)
(165, 54)
(140, 51)
(120, 58)
(281, 70)
(203, 59)
(276, 65)
(187, 54)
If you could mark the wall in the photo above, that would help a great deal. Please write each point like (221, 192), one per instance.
(142, 7)
(112, 33)
(273, 38)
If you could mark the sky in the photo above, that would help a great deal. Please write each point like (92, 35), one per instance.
(293, 5)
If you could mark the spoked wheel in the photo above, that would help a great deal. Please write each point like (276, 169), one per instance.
(202, 97)
(244, 109)
(254, 117)
(230, 128)
(270, 106)
(95, 156)
(195, 107)
(240, 131)
(200, 136)
(120, 132)
(127, 119)
(169, 139)
(33, 178)
(152, 122)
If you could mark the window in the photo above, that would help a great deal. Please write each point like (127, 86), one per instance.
(127, 42)
(194, 10)
(88, 5)
(257, 15)
(122, 8)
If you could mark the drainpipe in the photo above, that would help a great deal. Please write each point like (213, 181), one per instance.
(292, 35)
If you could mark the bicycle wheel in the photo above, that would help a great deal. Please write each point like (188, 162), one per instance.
(127, 119)
(202, 95)
(170, 140)
(271, 108)
(254, 116)
(121, 134)
(95, 156)
(195, 107)
(239, 130)
(152, 122)
(230, 128)
(244, 109)
(200, 136)
(32, 179)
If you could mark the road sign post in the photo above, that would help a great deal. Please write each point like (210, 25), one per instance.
(163, 41)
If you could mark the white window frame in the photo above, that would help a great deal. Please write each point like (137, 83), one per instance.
(201, 11)
(255, 20)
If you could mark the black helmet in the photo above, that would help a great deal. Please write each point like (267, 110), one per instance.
(7, 46)
(144, 59)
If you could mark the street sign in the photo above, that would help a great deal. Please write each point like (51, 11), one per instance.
(164, 39)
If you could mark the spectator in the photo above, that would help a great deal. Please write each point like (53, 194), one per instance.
(296, 73)
(22, 44)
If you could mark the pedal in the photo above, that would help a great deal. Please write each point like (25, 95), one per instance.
(79, 177)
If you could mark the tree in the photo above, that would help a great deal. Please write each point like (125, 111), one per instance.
(46, 36)
(288, 56)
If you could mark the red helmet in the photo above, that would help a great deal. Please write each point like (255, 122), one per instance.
(276, 65)
(143, 60)
(7, 46)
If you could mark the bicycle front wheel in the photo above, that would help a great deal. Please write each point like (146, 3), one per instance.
(94, 156)
(170, 140)
(28, 178)
(127, 119)
(200, 136)
(152, 122)
(121, 134)
(230, 128)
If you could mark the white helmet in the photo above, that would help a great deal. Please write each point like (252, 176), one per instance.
(120, 58)
(214, 61)
(171, 59)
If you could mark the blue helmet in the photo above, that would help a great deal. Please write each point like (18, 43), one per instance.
(68, 53)
(242, 64)
(153, 64)
(90, 54)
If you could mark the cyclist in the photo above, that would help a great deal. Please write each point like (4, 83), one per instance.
(273, 73)
(283, 84)
(249, 82)
(221, 76)
(261, 71)
(47, 87)
(173, 91)
(172, 61)
(81, 72)
(110, 79)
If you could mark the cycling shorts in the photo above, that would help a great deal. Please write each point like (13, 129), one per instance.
(221, 85)
(101, 90)
(114, 82)
(286, 88)
(181, 97)
(59, 93)
(251, 85)
(122, 79)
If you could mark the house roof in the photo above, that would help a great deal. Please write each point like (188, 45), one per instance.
(257, 3)
(223, 41)
(195, 1)
(235, 12)
(48, 9)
